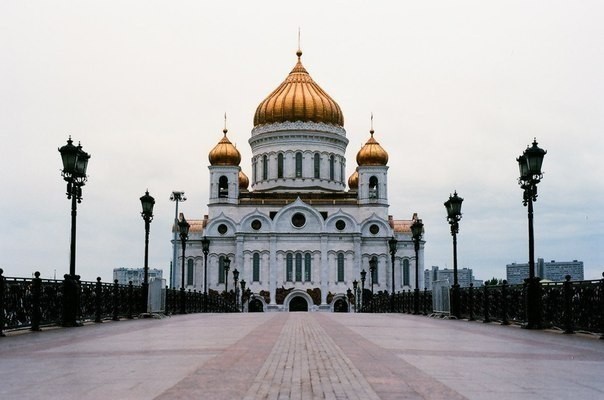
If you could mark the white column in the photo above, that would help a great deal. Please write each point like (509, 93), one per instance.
(273, 269)
(324, 270)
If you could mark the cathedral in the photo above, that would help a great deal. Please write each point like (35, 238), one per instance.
(299, 233)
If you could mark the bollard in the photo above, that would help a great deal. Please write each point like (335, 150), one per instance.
(130, 300)
(471, 302)
(98, 297)
(568, 305)
(36, 311)
(1, 303)
(486, 304)
(504, 303)
(116, 300)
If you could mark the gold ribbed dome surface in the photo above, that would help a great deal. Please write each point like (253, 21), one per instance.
(353, 180)
(372, 153)
(224, 153)
(298, 98)
(244, 181)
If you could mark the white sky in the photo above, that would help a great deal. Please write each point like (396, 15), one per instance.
(458, 90)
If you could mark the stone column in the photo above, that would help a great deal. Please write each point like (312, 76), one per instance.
(273, 269)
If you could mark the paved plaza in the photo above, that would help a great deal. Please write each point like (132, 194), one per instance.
(300, 356)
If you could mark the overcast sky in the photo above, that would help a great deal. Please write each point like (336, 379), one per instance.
(458, 89)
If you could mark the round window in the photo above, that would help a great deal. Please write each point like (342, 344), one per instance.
(222, 229)
(298, 220)
(374, 229)
(340, 225)
(256, 224)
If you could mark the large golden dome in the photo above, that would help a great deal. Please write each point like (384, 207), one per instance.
(224, 153)
(372, 153)
(298, 98)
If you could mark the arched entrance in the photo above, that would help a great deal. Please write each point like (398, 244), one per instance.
(298, 303)
(340, 305)
(255, 305)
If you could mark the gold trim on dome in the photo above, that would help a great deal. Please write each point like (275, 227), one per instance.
(224, 153)
(298, 98)
(372, 153)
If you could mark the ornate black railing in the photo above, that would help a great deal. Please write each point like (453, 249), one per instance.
(402, 302)
(35, 302)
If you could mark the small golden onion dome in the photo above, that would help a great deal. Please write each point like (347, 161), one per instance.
(244, 181)
(224, 153)
(372, 153)
(298, 98)
(353, 180)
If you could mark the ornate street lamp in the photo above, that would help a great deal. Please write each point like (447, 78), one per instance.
(453, 206)
(235, 280)
(177, 197)
(363, 277)
(183, 229)
(392, 244)
(205, 248)
(355, 287)
(529, 164)
(417, 229)
(147, 202)
(75, 163)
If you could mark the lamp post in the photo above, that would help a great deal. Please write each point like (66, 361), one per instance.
(75, 163)
(147, 202)
(417, 229)
(355, 287)
(235, 280)
(372, 269)
(363, 277)
(183, 228)
(227, 265)
(529, 164)
(453, 206)
(177, 197)
(392, 244)
(205, 248)
(242, 283)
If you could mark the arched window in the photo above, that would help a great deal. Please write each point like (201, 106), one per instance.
(331, 167)
(373, 188)
(254, 174)
(221, 269)
(223, 186)
(256, 267)
(298, 165)
(298, 267)
(317, 165)
(289, 267)
(340, 267)
(280, 165)
(264, 167)
(342, 172)
(190, 271)
(307, 267)
(375, 276)
(405, 272)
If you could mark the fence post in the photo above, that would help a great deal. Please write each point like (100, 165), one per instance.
(1, 303)
(130, 300)
(98, 297)
(504, 303)
(471, 302)
(601, 306)
(568, 305)
(116, 300)
(486, 303)
(425, 301)
(36, 312)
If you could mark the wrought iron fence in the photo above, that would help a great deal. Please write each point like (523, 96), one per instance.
(35, 302)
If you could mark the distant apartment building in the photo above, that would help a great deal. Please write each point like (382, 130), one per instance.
(551, 271)
(465, 276)
(136, 275)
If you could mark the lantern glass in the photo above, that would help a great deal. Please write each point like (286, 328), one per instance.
(417, 228)
(147, 202)
(534, 157)
(183, 227)
(69, 156)
(227, 263)
(392, 243)
(81, 162)
(205, 244)
(235, 275)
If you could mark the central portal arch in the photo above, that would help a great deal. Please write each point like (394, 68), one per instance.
(298, 300)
